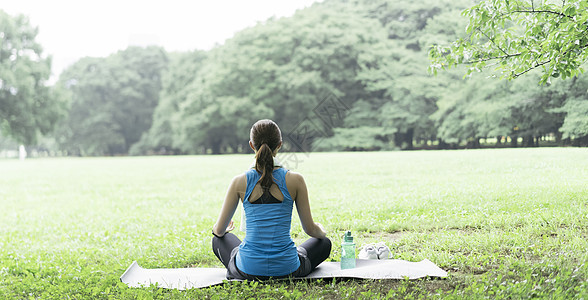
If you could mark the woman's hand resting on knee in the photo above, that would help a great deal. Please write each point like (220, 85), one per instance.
(230, 227)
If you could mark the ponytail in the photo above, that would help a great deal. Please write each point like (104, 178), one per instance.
(265, 138)
(264, 164)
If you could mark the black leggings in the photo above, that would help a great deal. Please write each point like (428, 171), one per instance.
(317, 250)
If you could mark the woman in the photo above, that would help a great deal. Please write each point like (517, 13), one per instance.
(268, 192)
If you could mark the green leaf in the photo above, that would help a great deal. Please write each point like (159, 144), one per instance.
(570, 11)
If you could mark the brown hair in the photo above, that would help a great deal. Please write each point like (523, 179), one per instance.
(266, 137)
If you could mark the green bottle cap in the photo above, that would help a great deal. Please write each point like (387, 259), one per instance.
(348, 238)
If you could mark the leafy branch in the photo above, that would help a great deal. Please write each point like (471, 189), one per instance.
(548, 37)
(506, 56)
(542, 11)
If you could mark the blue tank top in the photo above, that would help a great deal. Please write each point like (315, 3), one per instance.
(268, 249)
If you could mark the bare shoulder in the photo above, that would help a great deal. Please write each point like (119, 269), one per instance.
(239, 180)
(294, 182)
(294, 177)
(240, 177)
(239, 184)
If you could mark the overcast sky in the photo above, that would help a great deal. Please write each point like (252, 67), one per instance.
(72, 29)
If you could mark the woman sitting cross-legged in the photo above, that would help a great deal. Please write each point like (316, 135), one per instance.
(268, 193)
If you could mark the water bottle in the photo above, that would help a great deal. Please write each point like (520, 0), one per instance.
(347, 252)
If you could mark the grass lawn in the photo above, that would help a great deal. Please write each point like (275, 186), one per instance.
(505, 223)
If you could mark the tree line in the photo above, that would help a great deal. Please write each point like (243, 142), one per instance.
(337, 76)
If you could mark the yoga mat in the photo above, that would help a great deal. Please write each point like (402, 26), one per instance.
(187, 278)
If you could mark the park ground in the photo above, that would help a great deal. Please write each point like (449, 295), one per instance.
(505, 223)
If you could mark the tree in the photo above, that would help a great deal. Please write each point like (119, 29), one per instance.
(487, 107)
(573, 99)
(395, 69)
(279, 69)
(28, 107)
(517, 36)
(183, 68)
(112, 100)
(372, 55)
(575, 125)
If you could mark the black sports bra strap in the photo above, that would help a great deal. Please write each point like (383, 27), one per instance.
(266, 198)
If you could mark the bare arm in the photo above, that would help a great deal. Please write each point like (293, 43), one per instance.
(224, 223)
(303, 207)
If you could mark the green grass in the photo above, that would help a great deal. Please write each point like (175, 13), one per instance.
(505, 223)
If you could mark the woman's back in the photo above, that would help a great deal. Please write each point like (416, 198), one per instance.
(268, 249)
